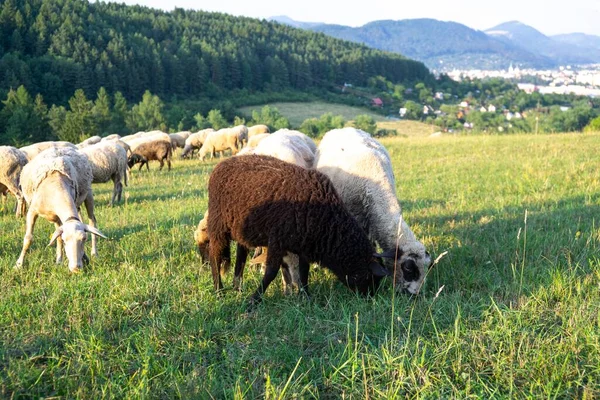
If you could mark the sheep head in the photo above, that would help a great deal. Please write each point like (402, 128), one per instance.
(73, 233)
(410, 263)
(135, 159)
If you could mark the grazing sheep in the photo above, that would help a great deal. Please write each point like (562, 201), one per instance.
(361, 171)
(221, 140)
(155, 137)
(33, 150)
(241, 131)
(124, 145)
(108, 161)
(253, 141)
(308, 141)
(195, 142)
(287, 147)
(55, 184)
(178, 139)
(157, 150)
(89, 141)
(114, 136)
(262, 201)
(257, 130)
(12, 161)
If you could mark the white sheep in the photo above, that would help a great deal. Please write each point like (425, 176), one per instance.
(178, 139)
(137, 141)
(290, 132)
(195, 142)
(114, 136)
(289, 148)
(55, 184)
(253, 141)
(257, 130)
(242, 134)
(219, 141)
(108, 161)
(12, 161)
(361, 171)
(89, 141)
(33, 150)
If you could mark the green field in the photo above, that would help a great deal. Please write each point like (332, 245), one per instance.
(512, 309)
(296, 113)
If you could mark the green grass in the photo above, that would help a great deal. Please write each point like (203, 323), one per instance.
(296, 113)
(512, 310)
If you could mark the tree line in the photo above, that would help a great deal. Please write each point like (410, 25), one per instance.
(54, 47)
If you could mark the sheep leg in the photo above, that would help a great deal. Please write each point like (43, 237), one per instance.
(162, 164)
(303, 269)
(286, 279)
(240, 263)
(59, 246)
(29, 224)
(217, 248)
(169, 163)
(147, 166)
(274, 260)
(89, 207)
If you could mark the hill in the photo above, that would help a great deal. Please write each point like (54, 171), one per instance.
(527, 38)
(446, 45)
(56, 46)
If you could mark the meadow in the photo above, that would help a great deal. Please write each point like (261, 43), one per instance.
(512, 309)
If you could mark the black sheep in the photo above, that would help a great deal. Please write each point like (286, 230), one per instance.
(262, 201)
(157, 150)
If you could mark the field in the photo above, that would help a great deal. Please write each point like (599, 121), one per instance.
(511, 310)
(296, 113)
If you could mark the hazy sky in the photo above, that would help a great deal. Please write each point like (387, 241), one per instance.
(549, 16)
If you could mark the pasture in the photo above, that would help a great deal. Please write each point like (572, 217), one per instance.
(296, 113)
(512, 309)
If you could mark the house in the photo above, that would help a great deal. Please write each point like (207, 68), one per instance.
(377, 102)
(427, 110)
(439, 96)
(482, 109)
(403, 112)
(491, 108)
(464, 104)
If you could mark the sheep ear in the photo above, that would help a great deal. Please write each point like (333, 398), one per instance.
(94, 231)
(55, 235)
(392, 253)
(379, 270)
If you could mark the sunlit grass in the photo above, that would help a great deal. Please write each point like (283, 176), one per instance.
(518, 313)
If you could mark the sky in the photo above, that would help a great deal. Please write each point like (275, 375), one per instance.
(550, 16)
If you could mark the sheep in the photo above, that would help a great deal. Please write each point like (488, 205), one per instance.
(33, 150)
(135, 142)
(55, 184)
(261, 201)
(361, 171)
(108, 161)
(114, 136)
(12, 161)
(308, 141)
(253, 141)
(195, 142)
(242, 134)
(287, 147)
(221, 140)
(157, 150)
(178, 139)
(89, 141)
(257, 130)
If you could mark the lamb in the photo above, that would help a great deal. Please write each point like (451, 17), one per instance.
(108, 161)
(361, 171)
(262, 201)
(221, 140)
(55, 184)
(195, 141)
(156, 150)
(12, 161)
(33, 150)
(178, 139)
(89, 141)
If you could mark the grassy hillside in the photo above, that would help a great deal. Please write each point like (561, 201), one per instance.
(296, 113)
(510, 311)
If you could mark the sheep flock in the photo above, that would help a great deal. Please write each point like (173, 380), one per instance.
(279, 195)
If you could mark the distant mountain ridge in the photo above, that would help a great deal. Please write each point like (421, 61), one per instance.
(447, 45)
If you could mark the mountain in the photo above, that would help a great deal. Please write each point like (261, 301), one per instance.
(54, 47)
(579, 39)
(527, 38)
(440, 45)
(283, 19)
(447, 45)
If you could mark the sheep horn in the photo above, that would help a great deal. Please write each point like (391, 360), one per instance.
(94, 231)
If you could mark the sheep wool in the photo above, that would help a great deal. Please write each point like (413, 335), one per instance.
(12, 161)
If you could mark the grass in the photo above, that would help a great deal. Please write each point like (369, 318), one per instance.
(296, 113)
(512, 310)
